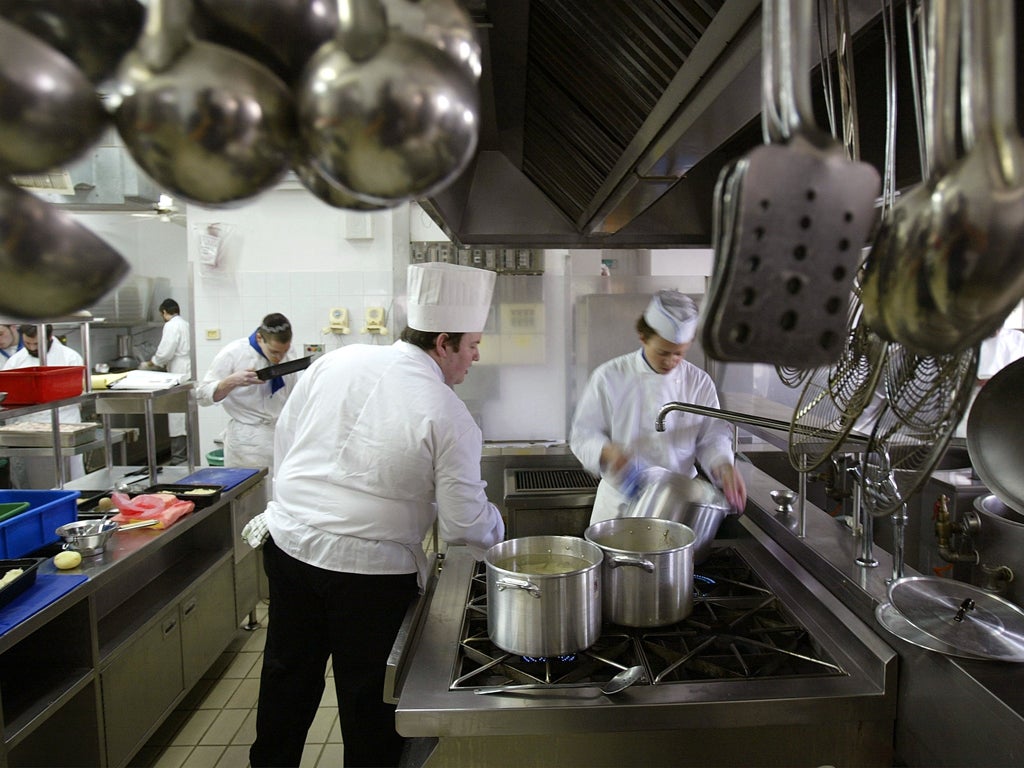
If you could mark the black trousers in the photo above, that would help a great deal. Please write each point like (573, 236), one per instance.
(315, 614)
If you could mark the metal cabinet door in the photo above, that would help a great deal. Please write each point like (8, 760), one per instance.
(207, 622)
(141, 685)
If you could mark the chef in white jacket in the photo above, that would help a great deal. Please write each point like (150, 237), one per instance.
(613, 424)
(373, 447)
(38, 471)
(173, 355)
(253, 406)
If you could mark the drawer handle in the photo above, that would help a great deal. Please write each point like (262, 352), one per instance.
(190, 606)
(169, 627)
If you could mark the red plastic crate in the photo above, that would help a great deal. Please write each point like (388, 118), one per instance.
(28, 386)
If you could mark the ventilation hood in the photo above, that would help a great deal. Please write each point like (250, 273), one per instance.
(604, 124)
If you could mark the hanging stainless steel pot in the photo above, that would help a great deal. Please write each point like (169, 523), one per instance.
(647, 573)
(544, 595)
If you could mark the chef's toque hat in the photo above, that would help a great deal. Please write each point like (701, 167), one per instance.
(449, 297)
(673, 316)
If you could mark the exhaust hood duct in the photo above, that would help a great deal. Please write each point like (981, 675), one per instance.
(604, 123)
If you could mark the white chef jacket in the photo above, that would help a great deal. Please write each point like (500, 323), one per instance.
(372, 447)
(620, 404)
(999, 351)
(252, 411)
(173, 355)
(37, 471)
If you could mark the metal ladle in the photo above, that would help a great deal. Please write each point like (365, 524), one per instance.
(94, 34)
(211, 125)
(619, 682)
(50, 112)
(974, 269)
(390, 117)
(50, 265)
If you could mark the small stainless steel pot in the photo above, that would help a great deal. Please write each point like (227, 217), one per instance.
(647, 575)
(533, 610)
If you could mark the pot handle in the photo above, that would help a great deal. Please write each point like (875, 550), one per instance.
(639, 562)
(504, 583)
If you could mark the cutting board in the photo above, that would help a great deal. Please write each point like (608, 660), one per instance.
(47, 589)
(228, 477)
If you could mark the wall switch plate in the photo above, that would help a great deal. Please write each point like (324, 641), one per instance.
(212, 334)
(312, 349)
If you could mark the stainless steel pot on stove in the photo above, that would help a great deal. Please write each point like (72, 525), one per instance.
(544, 595)
(691, 501)
(647, 573)
(1000, 544)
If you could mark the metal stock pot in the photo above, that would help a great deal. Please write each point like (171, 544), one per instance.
(647, 575)
(544, 595)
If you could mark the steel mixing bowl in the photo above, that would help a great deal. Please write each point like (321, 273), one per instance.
(87, 537)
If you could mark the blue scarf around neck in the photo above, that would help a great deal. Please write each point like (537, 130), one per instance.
(277, 382)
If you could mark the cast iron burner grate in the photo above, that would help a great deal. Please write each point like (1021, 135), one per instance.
(738, 630)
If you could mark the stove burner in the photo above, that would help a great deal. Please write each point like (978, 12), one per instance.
(738, 630)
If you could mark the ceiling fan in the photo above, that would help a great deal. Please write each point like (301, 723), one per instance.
(164, 210)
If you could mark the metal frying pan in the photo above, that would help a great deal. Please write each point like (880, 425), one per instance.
(995, 435)
(804, 212)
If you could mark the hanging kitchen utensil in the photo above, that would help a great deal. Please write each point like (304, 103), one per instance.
(51, 113)
(282, 34)
(973, 267)
(389, 124)
(834, 397)
(443, 24)
(892, 301)
(995, 435)
(94, 34)
(329, 192)
(805, 210)
(962, 616)
(925, 399)
(50, 265)
(205, 122)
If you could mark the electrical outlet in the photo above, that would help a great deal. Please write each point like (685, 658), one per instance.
(212, 334)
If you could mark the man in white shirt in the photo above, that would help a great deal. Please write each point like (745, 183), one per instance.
(10, 342)
(371, 449)
(613, 425)
(38, 471)
(252, 405)
(173, 355)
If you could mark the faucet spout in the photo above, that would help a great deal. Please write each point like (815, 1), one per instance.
(659, 423)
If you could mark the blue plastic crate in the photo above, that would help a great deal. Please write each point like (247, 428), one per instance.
(37, 526)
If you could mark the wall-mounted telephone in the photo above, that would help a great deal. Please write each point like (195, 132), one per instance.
(375, 322)
(338, 321)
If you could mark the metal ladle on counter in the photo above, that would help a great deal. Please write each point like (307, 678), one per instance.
(50, 265)
(619, 682)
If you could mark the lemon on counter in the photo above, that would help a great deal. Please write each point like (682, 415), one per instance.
(67, 560)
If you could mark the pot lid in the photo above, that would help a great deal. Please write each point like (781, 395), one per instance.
(995, 435)
(897, 624)
(974, 622)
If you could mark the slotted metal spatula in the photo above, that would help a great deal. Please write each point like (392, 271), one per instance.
(804, 211)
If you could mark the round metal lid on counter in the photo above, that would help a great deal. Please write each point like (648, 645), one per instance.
(959, 619)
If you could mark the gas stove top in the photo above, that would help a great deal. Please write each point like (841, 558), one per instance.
(767, 655)
(738, 629)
